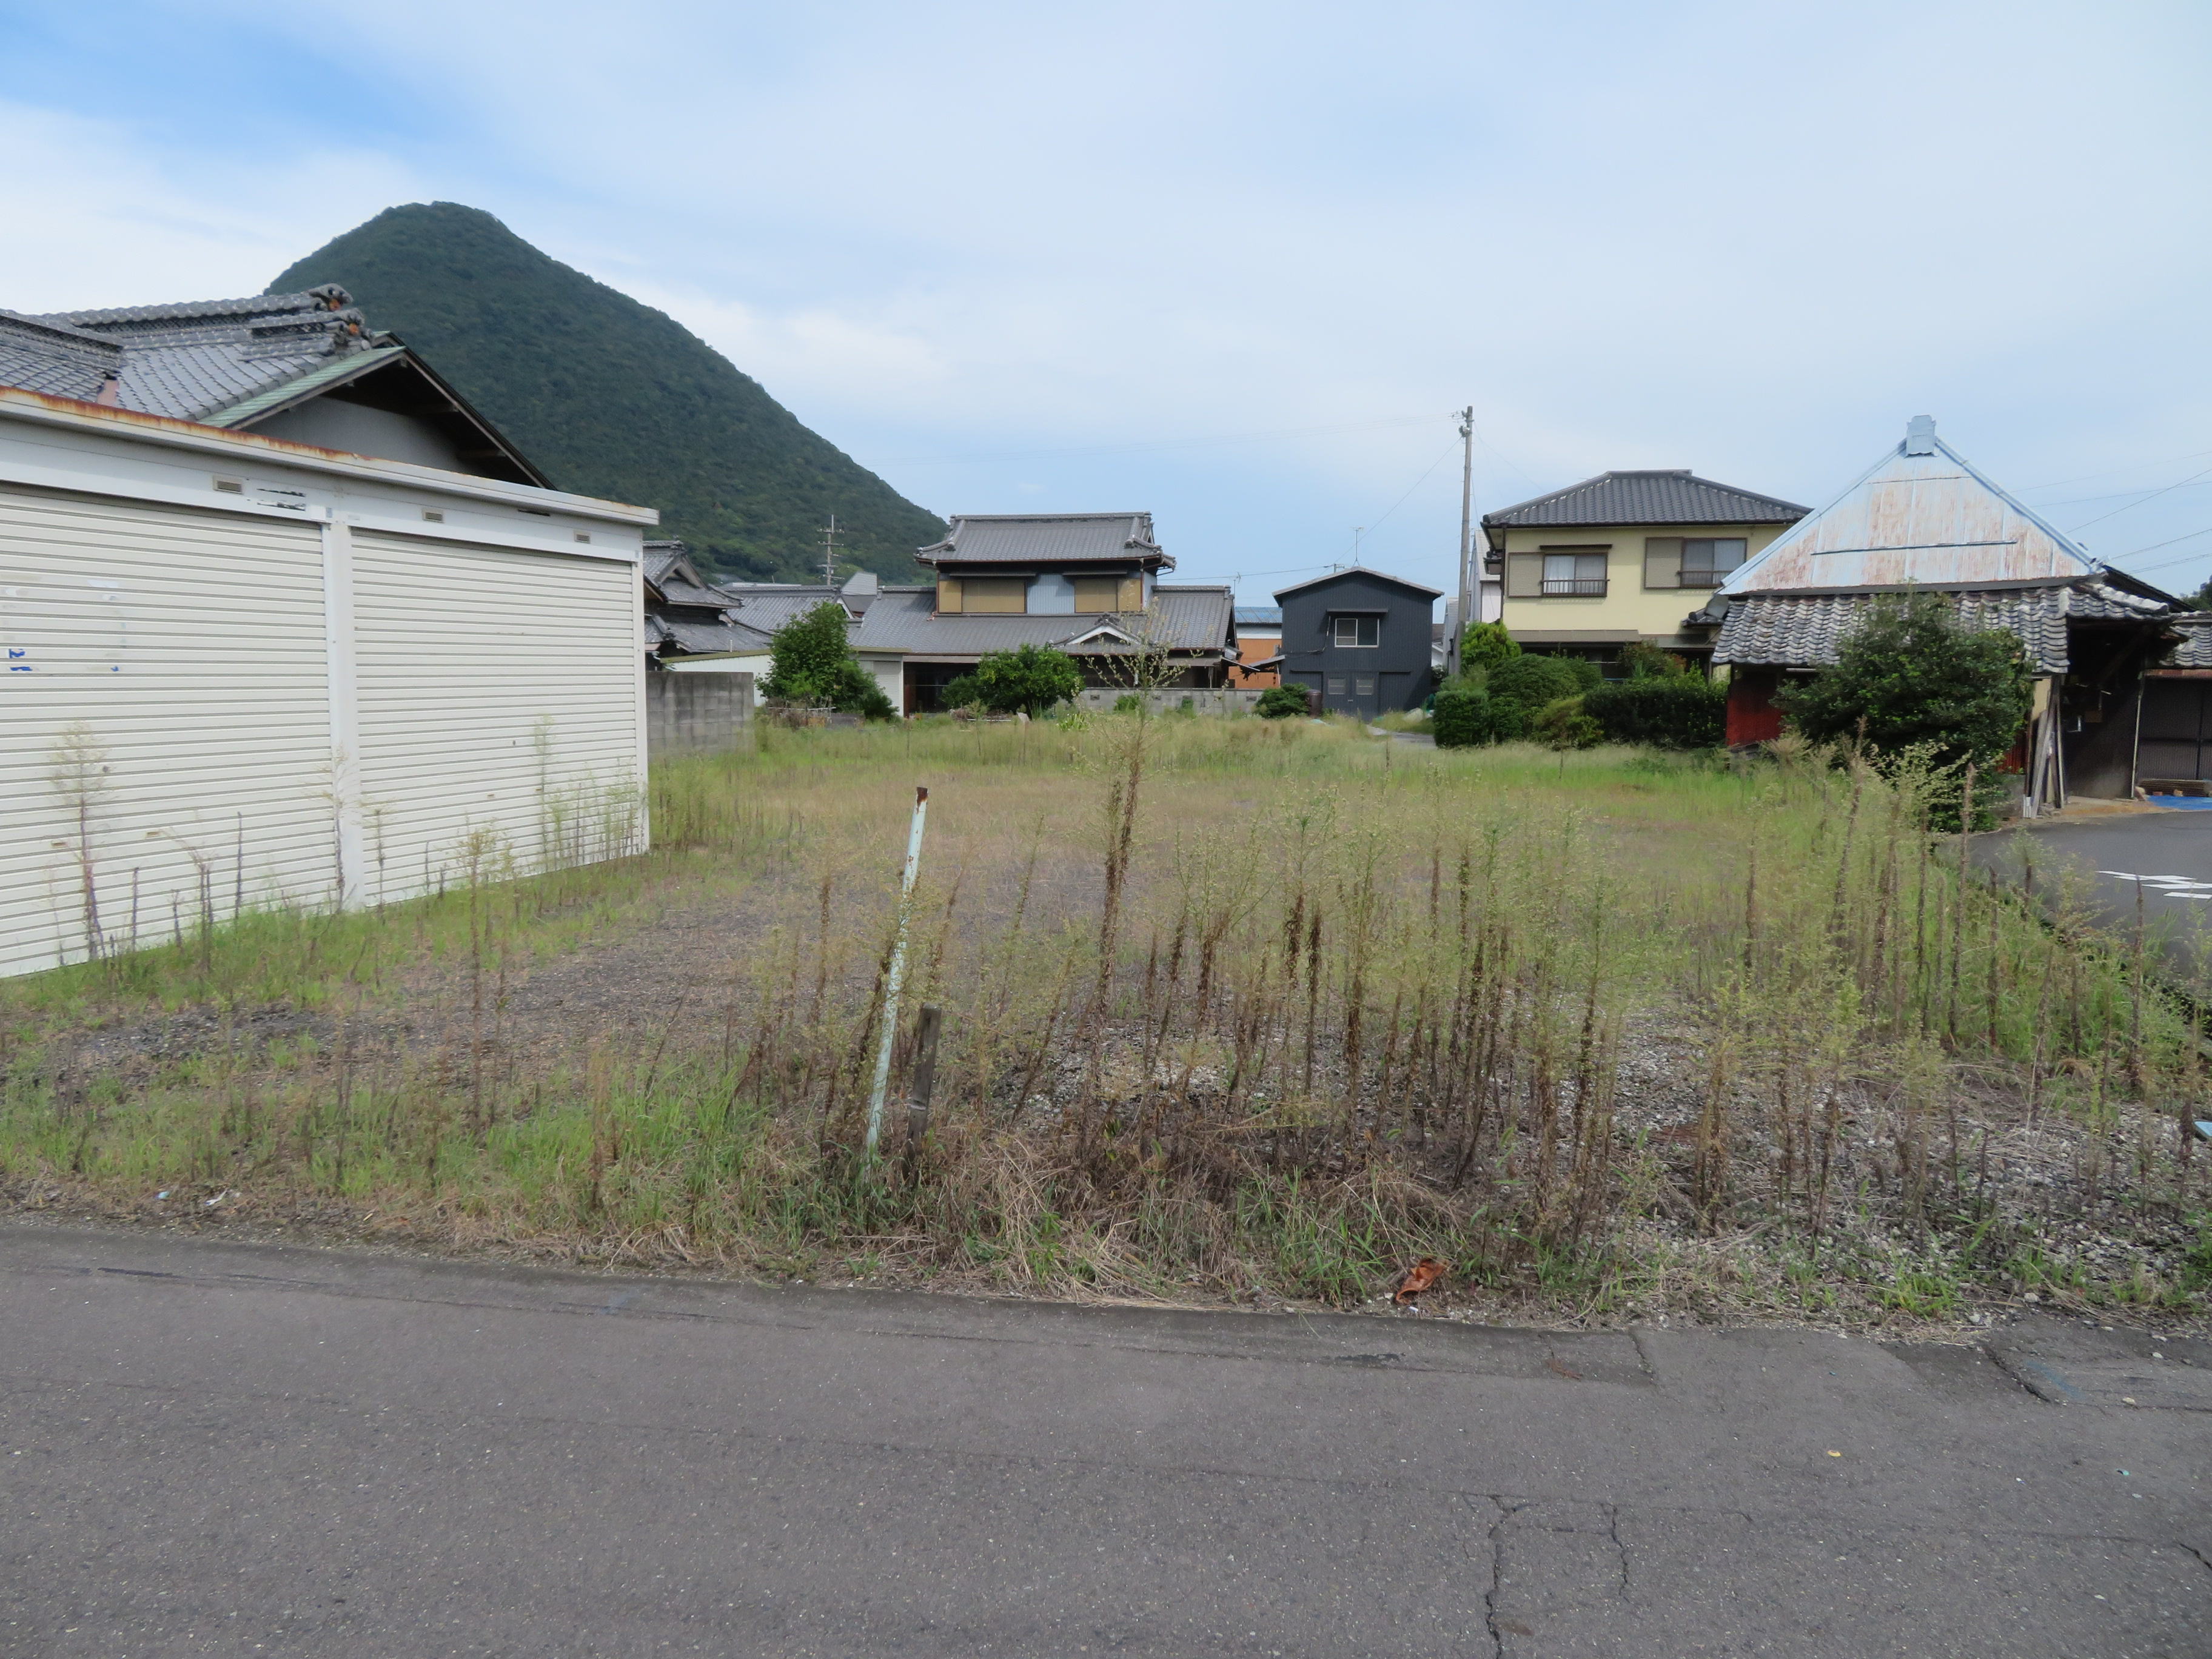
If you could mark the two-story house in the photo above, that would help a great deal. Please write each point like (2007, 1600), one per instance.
(1085, 583)
(1359, 640)
(1625, 556)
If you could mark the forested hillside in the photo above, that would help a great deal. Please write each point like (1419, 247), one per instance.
(613, 398)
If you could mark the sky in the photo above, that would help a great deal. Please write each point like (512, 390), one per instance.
(1238, 263)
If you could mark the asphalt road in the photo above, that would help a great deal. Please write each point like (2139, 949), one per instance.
(2165, 857)
(210, 1447)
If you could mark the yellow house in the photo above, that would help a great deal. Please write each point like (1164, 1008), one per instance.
(1623, 556)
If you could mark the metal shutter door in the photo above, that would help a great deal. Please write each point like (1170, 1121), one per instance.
(500, 700)
(191, 645)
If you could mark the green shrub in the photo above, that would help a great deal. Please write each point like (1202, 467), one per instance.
(1128, 703)
(1640, 659)
(1679, 711)
(1460, 717)
(1521, 686)
(1279, 702)
(1909, 676)
(1563, 724)
(962, 691)
(1027, 681)
(810, 663)
(1485, 645)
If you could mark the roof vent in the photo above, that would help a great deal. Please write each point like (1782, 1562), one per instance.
(1920, 435)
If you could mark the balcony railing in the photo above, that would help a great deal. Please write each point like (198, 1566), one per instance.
(1579, 587)
(1704, 578)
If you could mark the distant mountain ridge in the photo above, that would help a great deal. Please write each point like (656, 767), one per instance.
(615, 399)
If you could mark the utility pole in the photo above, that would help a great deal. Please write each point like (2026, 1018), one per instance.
(1468, 586)
(829, 552)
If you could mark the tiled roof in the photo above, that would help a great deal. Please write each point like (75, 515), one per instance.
(1045, 539)
(2194, 650)
(1188, 619)
(1802, 630)
(696, 637)
(1673, 497)
(328, 372)
(41, 355)
(195, 361)
(771, 605)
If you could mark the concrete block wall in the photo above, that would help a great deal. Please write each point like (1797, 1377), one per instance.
(1232, 700)
(696, 714)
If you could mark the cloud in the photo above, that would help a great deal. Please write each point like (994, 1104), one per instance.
(963, 240)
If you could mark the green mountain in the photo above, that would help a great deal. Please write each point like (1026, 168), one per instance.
(615, 399)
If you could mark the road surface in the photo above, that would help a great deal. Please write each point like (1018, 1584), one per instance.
(209, 1448)
(2152, 866)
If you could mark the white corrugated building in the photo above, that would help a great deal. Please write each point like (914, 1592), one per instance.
(239, 669)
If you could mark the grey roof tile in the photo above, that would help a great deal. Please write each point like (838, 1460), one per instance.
(194, 361)
(1185, 619)
(1802, 630)
(1045, 539)
(2194, 650)
(41, 355)
(1669, 497)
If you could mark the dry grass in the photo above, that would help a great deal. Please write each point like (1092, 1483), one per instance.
(1233, 1008)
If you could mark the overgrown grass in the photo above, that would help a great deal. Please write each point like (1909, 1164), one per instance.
(1243, 1007)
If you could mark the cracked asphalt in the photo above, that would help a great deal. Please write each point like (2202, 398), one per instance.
(221, 1447)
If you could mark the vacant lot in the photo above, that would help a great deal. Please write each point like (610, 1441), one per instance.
(1232, 1009)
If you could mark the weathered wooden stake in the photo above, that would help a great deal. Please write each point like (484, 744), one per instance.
(923, 1083)
(897, 973)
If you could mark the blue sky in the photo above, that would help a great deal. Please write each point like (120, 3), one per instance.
(1237, 263)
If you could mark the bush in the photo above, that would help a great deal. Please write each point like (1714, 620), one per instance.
(1679, 711)
(1909, 676)
(1640, 659)
(1128, 703)
(1027, 681)
(1461, 717)
(1563, 724)
(1523, 685)
(810, 663)
(961, 691)
(1279, 702)
(1485, 646)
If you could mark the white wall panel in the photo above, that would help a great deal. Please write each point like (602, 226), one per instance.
(190, 645)
(500, 705)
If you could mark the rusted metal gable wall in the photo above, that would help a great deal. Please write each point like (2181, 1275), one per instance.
(1914, 519)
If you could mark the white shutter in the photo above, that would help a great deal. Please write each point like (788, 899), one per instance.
(190, 646)
(499, 698)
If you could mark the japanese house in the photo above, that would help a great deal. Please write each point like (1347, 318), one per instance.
(1359, 640)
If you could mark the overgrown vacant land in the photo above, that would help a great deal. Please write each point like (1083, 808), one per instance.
(1231, 1009)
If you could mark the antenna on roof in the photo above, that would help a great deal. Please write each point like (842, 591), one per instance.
(830, 553)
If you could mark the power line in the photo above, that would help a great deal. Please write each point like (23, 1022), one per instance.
(2153, 496)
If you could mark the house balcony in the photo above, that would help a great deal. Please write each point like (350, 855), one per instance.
(1574, 587)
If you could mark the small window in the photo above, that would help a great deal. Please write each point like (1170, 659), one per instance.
(431, 515)
(1706, 563)
(1574, 575)
(583, 537)
(1097, 593)
(230, 486)
(1362, 685)
(1359, 632)
(1335, 685)
(995, 596)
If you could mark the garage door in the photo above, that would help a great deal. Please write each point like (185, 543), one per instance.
(163, 718)
(499, 695)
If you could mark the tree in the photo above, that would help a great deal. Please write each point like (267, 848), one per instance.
(811, 663)
(1909, 675)
(1485, 646)
(1522, 685)
(1027, 681)
(1281, 702)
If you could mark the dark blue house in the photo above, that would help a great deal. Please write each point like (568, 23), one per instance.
(1358, 639)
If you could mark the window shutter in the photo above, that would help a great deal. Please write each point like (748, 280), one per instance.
(1663, 560)
(1524, 575)
(1096, 593)
(1133, 594)
(948, 596)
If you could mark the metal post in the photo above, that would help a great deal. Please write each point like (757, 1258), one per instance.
(1470, 587)
(897, 973)
(924, 1084)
